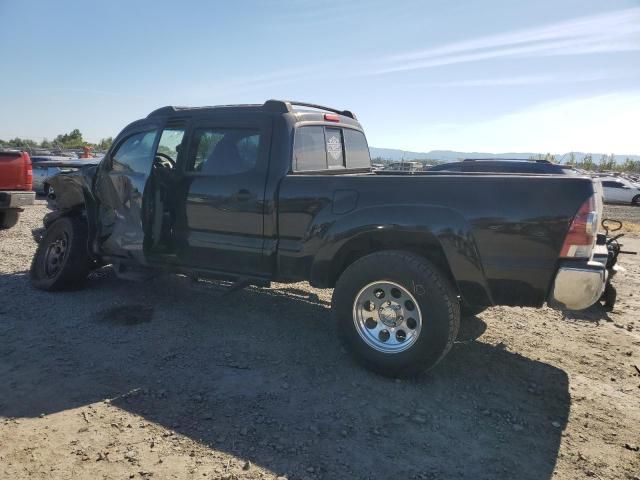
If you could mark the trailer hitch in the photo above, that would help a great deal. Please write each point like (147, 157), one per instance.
(614, 248)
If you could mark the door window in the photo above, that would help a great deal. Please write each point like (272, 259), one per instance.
(223, 151)
(170, 142)
(135, 154)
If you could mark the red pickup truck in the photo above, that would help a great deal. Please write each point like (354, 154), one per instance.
(16, 178)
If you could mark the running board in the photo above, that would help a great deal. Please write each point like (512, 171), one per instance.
(232, 286)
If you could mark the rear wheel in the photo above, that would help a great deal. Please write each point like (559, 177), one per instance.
(396, 312)
(8, 218)
(636, 201)
(62, 260)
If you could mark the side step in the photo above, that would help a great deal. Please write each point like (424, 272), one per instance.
(228, 283)
(227, 287)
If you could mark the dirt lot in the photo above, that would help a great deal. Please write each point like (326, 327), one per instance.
(171, 380)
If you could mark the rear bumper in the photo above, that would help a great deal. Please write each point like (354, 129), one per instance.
(580, 284)
(16, 199)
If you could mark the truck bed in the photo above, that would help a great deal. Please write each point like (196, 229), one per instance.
(501, 234)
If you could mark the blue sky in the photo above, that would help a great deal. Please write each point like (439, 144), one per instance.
(494, 75)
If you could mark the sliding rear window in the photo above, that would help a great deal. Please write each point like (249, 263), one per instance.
(318, 148)
(357, 149)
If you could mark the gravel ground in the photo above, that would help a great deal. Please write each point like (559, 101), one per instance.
(624, 213)
(169, 379)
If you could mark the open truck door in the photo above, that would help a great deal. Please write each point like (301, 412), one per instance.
(122, 189)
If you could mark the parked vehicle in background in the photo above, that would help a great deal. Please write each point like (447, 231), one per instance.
(16, 177)
(274, 192)
(45, 167)
(409, 167)
(620, 190)
(505, 166)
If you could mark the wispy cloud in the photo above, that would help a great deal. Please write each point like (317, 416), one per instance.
(607, 32)
(524, 80)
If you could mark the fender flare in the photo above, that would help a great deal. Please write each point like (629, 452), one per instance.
(430, 225)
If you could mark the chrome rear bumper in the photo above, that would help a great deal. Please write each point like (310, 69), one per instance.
(580, 284)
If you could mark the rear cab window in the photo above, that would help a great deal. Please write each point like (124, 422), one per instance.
(320, 148)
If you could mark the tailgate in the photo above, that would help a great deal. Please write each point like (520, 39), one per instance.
(12, 171)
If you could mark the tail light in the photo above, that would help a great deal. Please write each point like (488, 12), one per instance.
(28, 169)
(581, 237)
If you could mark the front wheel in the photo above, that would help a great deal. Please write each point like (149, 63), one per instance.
(636, 201)
(61, 261)
(396, 312)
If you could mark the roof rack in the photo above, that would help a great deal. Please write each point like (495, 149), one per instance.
(164, 110)
(286, 106)
(278, 106)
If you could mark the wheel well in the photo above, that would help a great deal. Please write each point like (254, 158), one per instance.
(424, 245)
(54, 215)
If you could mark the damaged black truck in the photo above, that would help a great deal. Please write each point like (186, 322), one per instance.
(284, 192)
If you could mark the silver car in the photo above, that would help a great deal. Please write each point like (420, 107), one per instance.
(620, 190)
(46, 167)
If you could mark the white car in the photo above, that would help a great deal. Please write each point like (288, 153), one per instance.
(619, 190)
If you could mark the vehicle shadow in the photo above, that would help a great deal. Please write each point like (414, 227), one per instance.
(260, 374)
(595, 313)
(471, 328)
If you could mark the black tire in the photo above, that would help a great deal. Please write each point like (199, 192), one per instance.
(433, 293)
(636, 201)
(8, 219)
(71, 268)
(471, 310)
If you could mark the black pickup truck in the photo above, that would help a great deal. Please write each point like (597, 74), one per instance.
(284, 192)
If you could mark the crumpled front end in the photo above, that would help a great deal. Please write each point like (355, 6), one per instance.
(70, 188)
(71, 191)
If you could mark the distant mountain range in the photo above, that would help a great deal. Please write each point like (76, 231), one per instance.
(453, 156)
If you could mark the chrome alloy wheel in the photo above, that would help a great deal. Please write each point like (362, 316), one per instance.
(387, 317)
(55, 255)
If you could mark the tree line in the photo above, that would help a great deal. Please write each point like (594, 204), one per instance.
(606, 163)
(69, 140)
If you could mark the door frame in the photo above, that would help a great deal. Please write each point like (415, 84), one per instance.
(229, 120)
(105, 171)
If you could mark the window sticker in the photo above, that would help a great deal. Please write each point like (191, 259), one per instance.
(334, 146)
